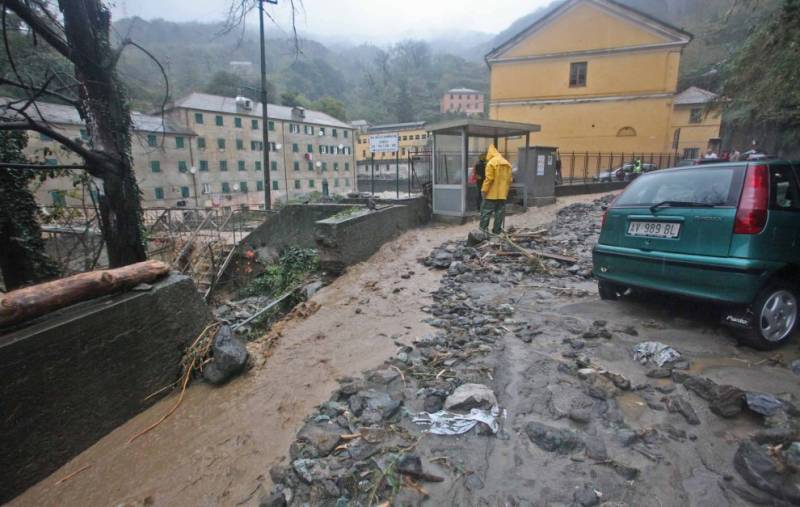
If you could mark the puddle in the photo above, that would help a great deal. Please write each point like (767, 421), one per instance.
(700, 365)
(632, 406)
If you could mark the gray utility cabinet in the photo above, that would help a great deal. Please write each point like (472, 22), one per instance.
(538, 173)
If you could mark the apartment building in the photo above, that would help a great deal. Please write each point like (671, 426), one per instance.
(462, 100)
(309, 151)
(207, 152)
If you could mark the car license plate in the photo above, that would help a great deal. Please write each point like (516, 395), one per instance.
(654, 229)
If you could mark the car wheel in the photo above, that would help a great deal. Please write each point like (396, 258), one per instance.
(775, 316)
(609, 291)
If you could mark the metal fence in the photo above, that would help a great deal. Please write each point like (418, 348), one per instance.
(399, 176)
(585, 167)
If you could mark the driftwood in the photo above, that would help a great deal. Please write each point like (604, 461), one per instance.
(29, 302)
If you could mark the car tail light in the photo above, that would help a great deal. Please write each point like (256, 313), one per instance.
(751, 215)
(603, 220)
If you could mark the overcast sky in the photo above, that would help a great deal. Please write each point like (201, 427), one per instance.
(358, 20)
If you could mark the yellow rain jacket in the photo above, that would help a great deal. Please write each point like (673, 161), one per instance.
(498, 175)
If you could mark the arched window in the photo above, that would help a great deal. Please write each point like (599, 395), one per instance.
(626, 132)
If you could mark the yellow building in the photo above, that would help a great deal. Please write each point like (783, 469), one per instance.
(596, 75)
(412, 138)
(695, 123)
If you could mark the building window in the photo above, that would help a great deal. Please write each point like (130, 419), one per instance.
(59, 198)
(322, 131)
(239, 144)
(271, 125)
(152, 140)
(221, 143)
(324, 166)
(296, 165)
(258, 165)
(237, 122)
(311, 183)
(198, 118)
(184, 192)
(346, 166)
(309, 148)
(84, 135)
(346, 182)
(336, 166)
(294, 128)
(226, 187)
(223, 165)
(255, 145)
(218, 120)
(335, 182)
(243, 186)
(346, 134)
(155, 166)
(182, 166)
(676, 139)
(241, 166)
(260, 185)
(51, 161)
(273, 165)
(310, 165)
(179, 142)
(577, 74)
(363, 153)
(334, 133)
(275, 185)
(206, 188)
(254, 124)
(159, 192)
(297, 184)
(204, 166)
(696, 115)
(201, 143)
(295, 148)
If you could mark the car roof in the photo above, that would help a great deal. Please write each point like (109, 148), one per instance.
(724, 163)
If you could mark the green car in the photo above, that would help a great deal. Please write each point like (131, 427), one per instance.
(727, 233)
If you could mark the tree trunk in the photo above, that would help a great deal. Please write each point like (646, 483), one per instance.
(104, 108)
(30, 302)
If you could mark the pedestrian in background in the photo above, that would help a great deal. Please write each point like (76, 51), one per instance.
(480, 174)
(495, 190)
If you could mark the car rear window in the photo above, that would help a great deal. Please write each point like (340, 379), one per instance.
(717, 185)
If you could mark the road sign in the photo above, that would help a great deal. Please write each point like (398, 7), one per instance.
(382, 143)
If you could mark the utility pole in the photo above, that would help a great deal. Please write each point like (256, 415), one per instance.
(264, 119)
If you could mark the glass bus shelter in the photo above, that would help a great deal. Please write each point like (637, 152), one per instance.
(457, 145)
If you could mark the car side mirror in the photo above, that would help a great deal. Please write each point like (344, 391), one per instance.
(604, 207)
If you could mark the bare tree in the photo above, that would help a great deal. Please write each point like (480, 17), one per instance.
(79, 31)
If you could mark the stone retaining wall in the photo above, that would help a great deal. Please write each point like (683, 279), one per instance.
(69, 378)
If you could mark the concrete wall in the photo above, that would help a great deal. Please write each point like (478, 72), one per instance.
(69, 378)
(347, 240)
(292, 226)
(589, 188)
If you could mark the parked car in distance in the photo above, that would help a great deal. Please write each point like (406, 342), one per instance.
(727, 233)
(623, 173)
(699, 161)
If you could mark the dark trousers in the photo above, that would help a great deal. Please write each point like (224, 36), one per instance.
(479, 199)
(496, 207)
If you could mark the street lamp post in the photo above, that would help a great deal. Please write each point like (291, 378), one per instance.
(264, 120)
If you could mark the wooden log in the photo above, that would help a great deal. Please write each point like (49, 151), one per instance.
(23, 304)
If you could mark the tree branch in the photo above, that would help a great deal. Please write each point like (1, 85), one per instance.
(40, 26)
(59, 96)
(40, 167)
(65, 141)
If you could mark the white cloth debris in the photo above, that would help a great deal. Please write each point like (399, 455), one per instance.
(655, 352)
(449, 423)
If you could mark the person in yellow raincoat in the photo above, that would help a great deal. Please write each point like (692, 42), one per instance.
(495, 190)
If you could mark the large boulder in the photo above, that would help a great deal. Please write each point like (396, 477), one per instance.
(469, 396)
(229, 357)
(757, 466)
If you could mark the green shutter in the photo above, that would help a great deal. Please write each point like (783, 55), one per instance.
(226, 188)
(159, 193)
(243, 186)
(221, 143)
(271, 125)
(201, 142)
(346, 166)
(310, 165)
(258, 165)
(297, 184)
(237, 122)
(241, 165)
(310, 148)
(151, 140)
(239, 144)
(274, 165)
(260, 185)
(310, 183)
(182, 166)
(155, 166)
(198, 117)
(218, 120)
(58, 198)
(295, 148)
(223, 165)
(334, 133)
(336, 166)
(204, 165)
(254, 124)
(296, 165)
(179, 142)
(184, 192)
(274, 184)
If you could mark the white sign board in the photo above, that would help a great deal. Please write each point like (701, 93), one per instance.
(540, 165)
(382, 143)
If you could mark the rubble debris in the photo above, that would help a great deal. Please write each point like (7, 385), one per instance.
(655, 352)
(763, 403)
(680, 405)
(468, 396)
(759, 466)
(476, 237)
(551, 439)
(449, 423)
(229, 357)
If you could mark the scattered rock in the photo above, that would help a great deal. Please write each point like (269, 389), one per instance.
(469, 396)
(323, 436)
(476, 237)
(729, 401)
(682, 406)
(432, 403)
(586, 496)
(796, 366)
(229, 357)
(596, 448)
(758, 467)
(762, 403)
(659, 373)
(548, 438)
